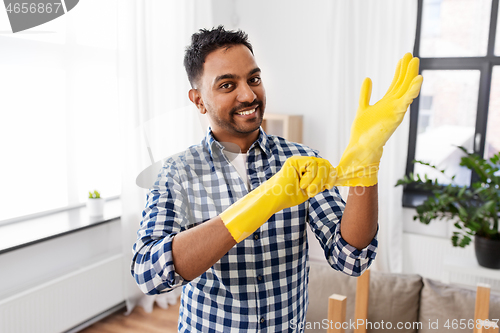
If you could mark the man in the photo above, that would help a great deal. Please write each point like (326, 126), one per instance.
(233, 231)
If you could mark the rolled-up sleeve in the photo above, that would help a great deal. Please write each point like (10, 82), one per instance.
(325, 215)
(165, 215)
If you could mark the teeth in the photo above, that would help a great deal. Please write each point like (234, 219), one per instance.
(244, 113)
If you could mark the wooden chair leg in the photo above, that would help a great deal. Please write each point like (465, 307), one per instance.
(337, 305)
(362, 297)
(482, 304)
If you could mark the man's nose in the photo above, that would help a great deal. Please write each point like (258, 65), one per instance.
(246, 94)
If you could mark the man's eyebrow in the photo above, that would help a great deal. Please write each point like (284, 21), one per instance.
(225, 76)
(255, 70)
(232, 76)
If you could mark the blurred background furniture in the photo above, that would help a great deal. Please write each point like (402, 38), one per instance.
(287, 126)
(418, 304)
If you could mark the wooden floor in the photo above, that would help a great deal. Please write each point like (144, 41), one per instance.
(159, 321)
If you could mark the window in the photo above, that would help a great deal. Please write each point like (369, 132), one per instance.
(59, 111)
(459, 103)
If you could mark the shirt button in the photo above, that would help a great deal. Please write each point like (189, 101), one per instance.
(262, 320)
(259, 277)
(256, 236)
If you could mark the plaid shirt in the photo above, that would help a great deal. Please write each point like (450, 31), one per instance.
(261, 283)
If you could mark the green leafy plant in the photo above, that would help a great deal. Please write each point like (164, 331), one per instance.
(476, 207)
(94, 195)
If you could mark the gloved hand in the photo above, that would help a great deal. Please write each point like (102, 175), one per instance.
(300, 178)
(374, 125)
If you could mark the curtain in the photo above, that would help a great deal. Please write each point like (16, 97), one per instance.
(366, 39)
(156, 119)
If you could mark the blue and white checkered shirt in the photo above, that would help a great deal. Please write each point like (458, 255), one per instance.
(261, 283)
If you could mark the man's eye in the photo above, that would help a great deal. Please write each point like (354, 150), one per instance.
(226, 86)
(255, 80)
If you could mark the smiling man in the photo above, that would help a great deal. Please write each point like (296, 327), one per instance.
(231, 92)
(230, 224)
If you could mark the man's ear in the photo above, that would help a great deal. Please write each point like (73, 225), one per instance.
(195, 97)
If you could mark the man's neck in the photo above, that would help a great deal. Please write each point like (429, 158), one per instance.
(243, 142)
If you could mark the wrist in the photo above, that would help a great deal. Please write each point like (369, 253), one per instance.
(356, 175)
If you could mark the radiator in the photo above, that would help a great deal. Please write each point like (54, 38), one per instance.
(66, 301)
(436, 258)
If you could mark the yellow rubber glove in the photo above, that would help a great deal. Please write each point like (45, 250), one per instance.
(374, 125)
(300, 178)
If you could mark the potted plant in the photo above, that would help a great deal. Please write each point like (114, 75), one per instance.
(95, 204)
(476, 208)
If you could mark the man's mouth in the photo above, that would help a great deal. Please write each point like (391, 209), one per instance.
(246, 113)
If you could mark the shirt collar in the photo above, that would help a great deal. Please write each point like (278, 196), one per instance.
(263, 141)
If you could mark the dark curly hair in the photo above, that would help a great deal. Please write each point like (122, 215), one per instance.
(206, 41)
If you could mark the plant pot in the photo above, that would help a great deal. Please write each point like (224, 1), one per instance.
(487, 252)
(95, 207)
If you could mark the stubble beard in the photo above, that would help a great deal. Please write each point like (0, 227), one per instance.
(233, 127)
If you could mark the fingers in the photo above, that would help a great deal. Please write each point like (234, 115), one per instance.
(415, 86)
(404, 62)
(307, 172)
(315, 174)
(366, 92)
(412, 92)
(396, 77)
(403, 81)
(411, 73)
(325, 178)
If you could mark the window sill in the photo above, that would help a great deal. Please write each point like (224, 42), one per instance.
(21, 234)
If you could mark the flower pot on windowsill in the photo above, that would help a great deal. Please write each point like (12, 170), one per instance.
(487, 252)
(473, 209)
(95, 207)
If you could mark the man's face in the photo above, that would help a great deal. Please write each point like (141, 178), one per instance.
(232, 93)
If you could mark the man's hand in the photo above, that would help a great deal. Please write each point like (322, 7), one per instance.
(374, 125)
(300, 178)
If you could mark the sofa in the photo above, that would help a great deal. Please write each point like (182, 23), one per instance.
(397, 302)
